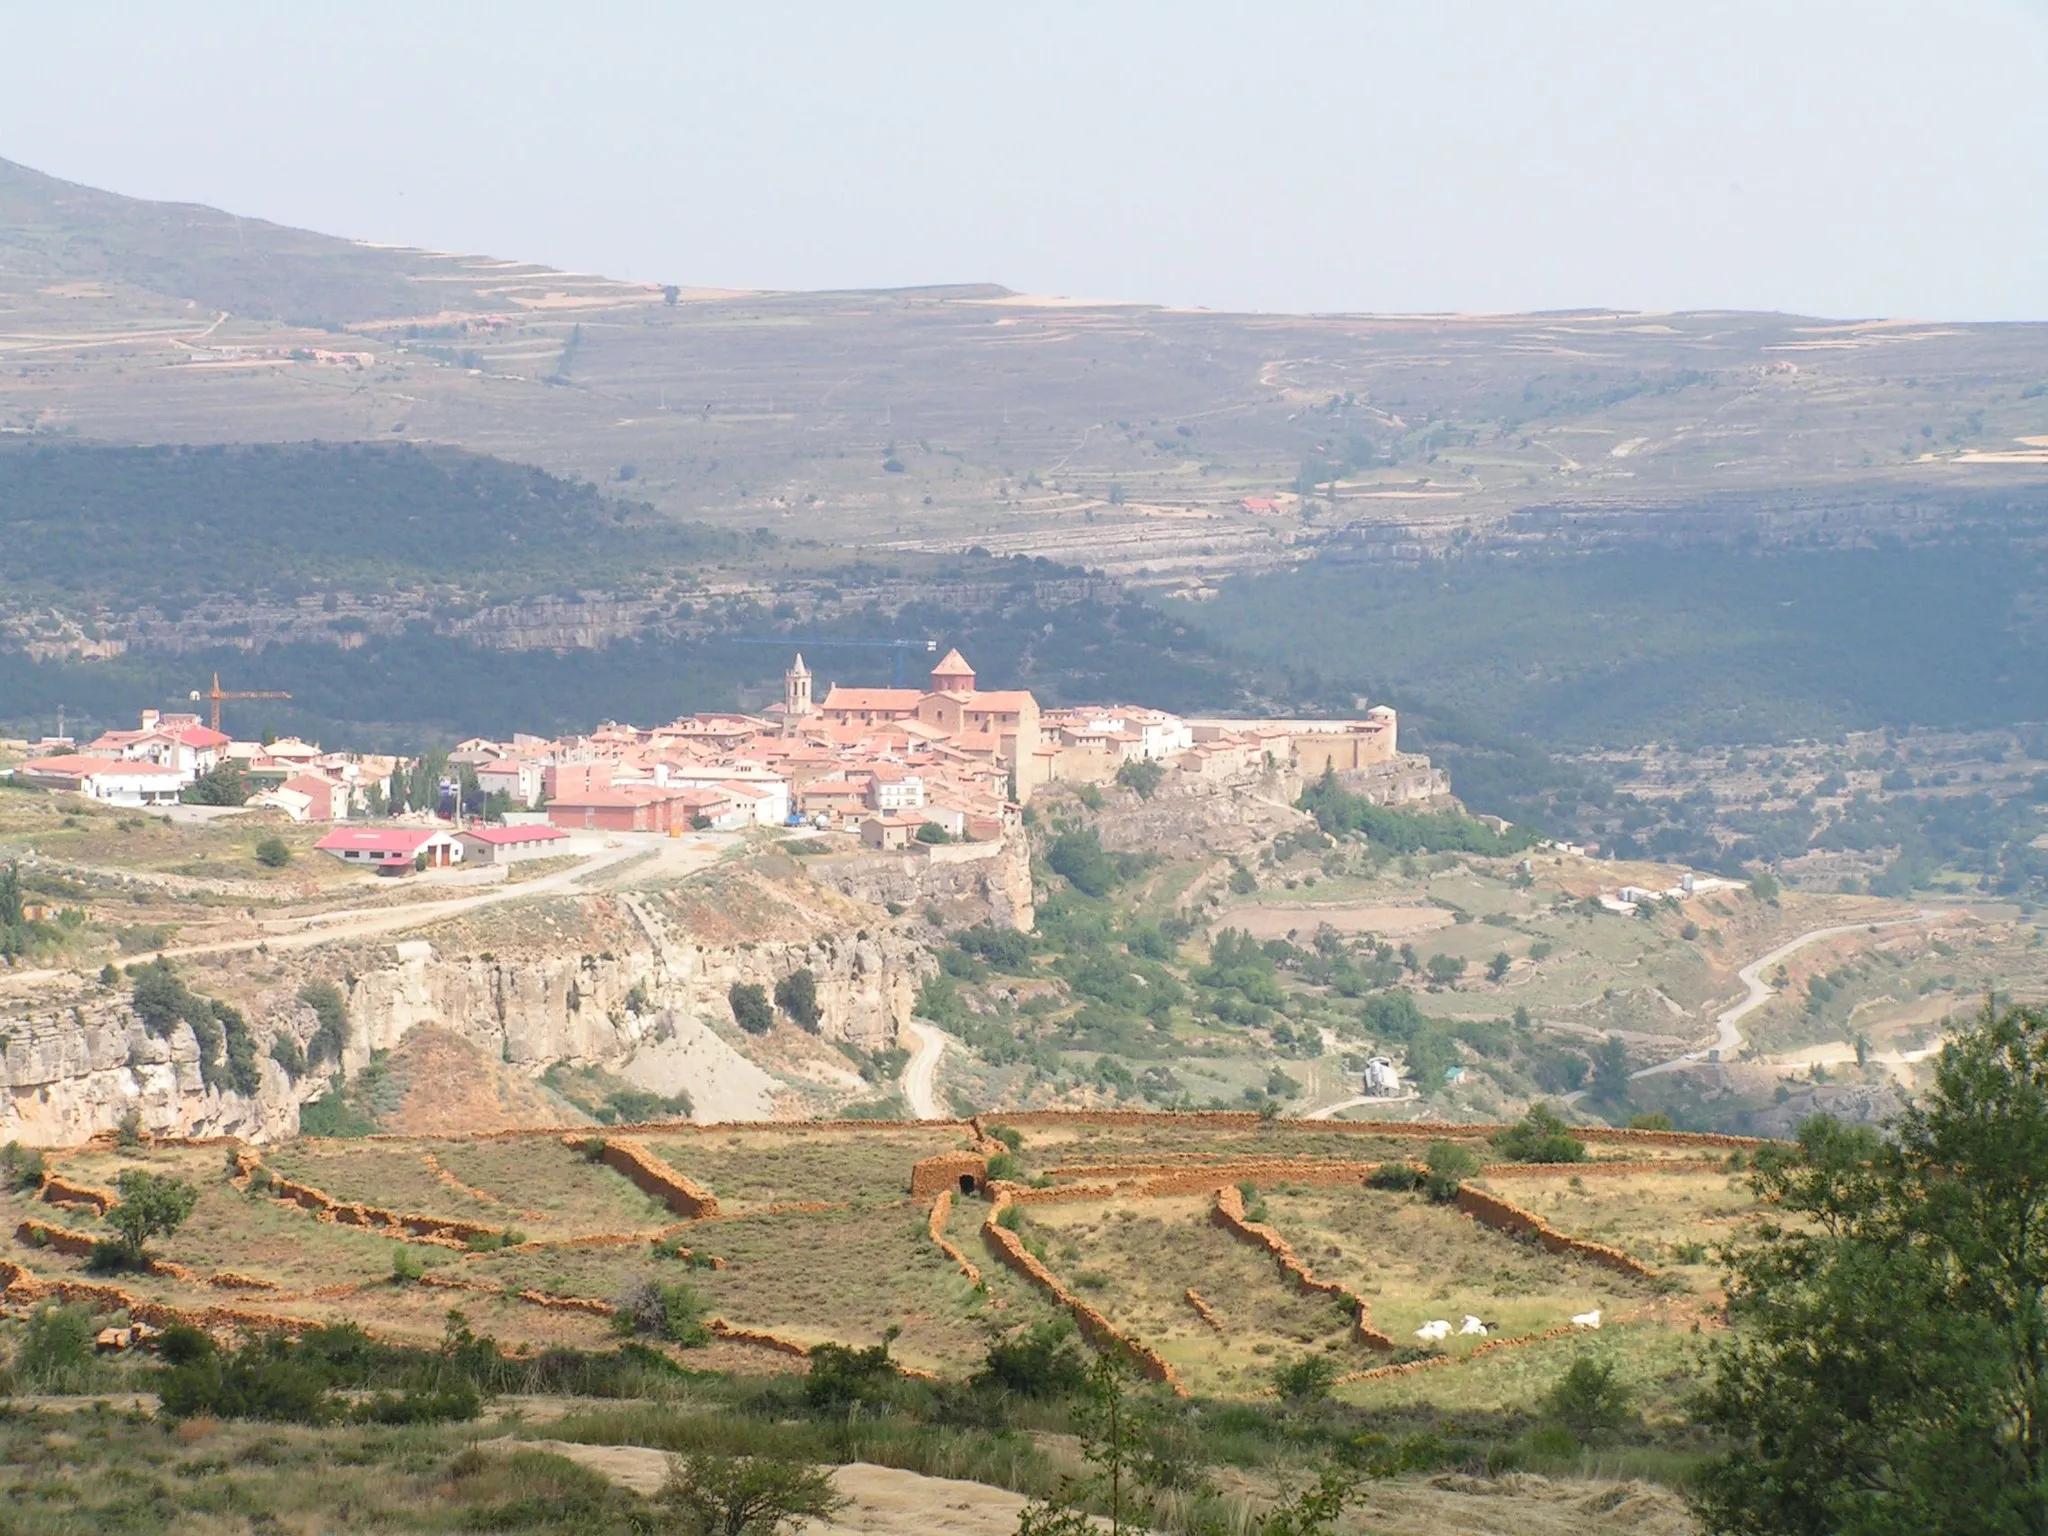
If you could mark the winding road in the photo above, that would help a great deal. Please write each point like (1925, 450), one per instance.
(1728, 1039)
(920, 1073)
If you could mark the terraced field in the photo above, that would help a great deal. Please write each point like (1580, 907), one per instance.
(816, 1238)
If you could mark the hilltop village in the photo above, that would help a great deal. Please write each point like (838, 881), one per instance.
(948, 762)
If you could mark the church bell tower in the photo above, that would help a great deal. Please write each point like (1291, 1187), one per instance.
(796, 691)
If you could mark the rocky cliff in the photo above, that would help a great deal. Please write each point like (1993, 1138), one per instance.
(1188, 816)
(629, 983)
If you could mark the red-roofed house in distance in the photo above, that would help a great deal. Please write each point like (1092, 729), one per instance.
(393, 850)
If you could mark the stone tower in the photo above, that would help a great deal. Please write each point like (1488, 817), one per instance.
(953, 675)
(796, 690)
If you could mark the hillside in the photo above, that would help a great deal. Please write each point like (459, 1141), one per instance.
(1120, 436)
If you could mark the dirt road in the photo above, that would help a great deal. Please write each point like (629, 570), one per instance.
(1728, 1039)
(278, 933)
(920, 1073)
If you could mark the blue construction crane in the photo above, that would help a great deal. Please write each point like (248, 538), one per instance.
(826, 642)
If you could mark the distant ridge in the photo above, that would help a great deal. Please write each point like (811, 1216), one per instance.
(63, 231)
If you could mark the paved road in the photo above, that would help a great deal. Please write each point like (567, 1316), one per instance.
(921, 1072)
(1728, 1039)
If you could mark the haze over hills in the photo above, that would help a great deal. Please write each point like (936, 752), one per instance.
(1121, 436)
(880, 453)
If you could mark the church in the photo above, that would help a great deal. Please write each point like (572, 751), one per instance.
(1000, 725)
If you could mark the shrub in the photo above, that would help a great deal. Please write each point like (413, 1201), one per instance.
(331, 1009)
(1449, 1166)
(290, 1055)
(20, 1167)
(405, 1266)
(797, 995)
(1398, 1177)
(842, 1377)
(746, 1495)
(268, 1378)
(932, 832)
(1656, 1120)
(56, 1353)
(1304, 1381)
(1142, 777)
(1040, 1362)
(667, 1310)
(1539, 1137)
(750, 1007)
(273, 852)
(1587, 1398)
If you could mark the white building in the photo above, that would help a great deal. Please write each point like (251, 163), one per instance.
(1382, 1078)
(111, 779)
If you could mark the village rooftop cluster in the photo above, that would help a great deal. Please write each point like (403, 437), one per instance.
(951, 762)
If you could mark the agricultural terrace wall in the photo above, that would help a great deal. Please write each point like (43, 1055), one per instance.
(441, 1231)
(60, 1191)
(1096, 1328)
(942, 1208)
(1497, 1213)
(648, 1173)
(1203, 1310)
(1229, 1214)
(1235, 1119)
(1605, 1169)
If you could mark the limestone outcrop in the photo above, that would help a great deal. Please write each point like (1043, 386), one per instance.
(651, 1007)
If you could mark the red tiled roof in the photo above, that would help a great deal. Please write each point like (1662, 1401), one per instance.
(77, 763)
(388, 840)
(505, 837)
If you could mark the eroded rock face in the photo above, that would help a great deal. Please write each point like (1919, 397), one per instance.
(596, 1010)
(82, 1067)
(969, 883)
(644, 1011)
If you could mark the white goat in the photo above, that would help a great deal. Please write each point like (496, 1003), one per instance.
(1435, 1331)
(1473, 1325)
(1587, 1319)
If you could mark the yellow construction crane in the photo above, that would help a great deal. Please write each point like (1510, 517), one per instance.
(216, 693)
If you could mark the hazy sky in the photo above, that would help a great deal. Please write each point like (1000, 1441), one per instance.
(1851, 158)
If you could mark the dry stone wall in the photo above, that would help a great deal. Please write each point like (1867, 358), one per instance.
(1229, 1214)
(1513, 1220)
(1095, 1327)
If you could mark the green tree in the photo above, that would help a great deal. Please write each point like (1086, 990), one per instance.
(273, 852)
(1114, 1425)
(750, 1007)
(1041, 1361)
(797, 995)
(1445, 970)
(330, 1039)
(1540, 1136)
(1497, 968)
(222, 784)
(1889, 1368)
(1587, 1398)
(1610, 1072)
(712, 1495)
(10, 896)
(151, 1205)
(1142, 776)
(1304, 1382)
(1450, 1165)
